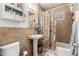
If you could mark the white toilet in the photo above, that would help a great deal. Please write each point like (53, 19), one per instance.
(12, 49)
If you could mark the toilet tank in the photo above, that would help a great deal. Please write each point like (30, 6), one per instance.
(12, 49)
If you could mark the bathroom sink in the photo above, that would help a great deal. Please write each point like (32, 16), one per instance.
(36, 36)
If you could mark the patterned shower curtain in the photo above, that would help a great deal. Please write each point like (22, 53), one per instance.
(53, 30)
(48, 29)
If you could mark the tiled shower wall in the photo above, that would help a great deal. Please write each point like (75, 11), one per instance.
(63, 24)
(11, 34)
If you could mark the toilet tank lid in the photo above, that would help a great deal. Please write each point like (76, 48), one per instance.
(9, 45)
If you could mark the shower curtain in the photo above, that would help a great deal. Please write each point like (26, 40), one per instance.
(48, 28)
(52, 30)
(45, 28)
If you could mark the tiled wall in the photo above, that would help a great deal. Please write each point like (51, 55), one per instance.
(64, 25)
(8, 35)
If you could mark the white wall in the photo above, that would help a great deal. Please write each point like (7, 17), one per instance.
(8, 23)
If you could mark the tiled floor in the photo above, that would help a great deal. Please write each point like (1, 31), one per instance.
(59, 51)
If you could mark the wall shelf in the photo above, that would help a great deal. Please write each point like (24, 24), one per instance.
(11, 12)
(14, 7)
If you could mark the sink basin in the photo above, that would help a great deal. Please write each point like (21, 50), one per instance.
(36, 36)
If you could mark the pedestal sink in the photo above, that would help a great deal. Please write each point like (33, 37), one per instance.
(35, 39)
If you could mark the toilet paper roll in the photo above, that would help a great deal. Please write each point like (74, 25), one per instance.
(25, 53)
